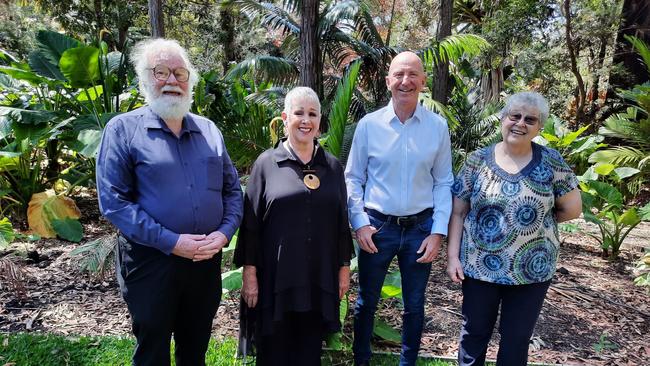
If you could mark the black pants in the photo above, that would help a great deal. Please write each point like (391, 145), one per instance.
(296, 341)
(165, 295)
(520, 307)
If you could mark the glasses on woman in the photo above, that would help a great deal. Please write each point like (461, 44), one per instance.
(162, 73)
(516, 117)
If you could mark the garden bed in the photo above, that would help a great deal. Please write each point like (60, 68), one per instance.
(593, 313)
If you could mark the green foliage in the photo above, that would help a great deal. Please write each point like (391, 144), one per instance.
(6, 233)
(52, 123)
(642, 271)
(243, 122)
(340, 111)
(68, 229)
(386, 332)
(614, 219)
(96, 256)
(604, 344)
(573, 147)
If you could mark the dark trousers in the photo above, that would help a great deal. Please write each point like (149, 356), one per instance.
(295, 341)
(520, 307)
(168, 295)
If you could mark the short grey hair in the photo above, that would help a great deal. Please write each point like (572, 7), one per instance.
(144, 51)
(298, 93)
(529, 99)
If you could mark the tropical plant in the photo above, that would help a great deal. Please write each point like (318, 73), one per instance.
(642, 271)
(573, 147)
(614, 219)
(52, 111)
(631, 130)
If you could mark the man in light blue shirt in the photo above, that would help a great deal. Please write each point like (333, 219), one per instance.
(398, 178)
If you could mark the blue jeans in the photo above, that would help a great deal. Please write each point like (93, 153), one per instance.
(392, 240)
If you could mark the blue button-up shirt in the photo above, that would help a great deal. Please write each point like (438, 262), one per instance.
(154, 186)
(399, 168)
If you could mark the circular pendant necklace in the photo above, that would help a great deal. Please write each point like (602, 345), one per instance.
(310, 179)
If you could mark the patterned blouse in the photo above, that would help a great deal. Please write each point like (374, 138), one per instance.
(510, 234)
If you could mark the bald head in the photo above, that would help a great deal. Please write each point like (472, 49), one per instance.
(406, 58)
(405, 79)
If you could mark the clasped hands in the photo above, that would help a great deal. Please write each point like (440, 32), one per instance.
(200, 247)
(429, 248)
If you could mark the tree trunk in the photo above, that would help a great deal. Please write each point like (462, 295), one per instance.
(635, 22)
(441, 83)
(156, 19)
(310, 72)
(573, 57)
(227, 38)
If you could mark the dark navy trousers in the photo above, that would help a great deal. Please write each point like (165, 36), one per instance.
(520, 307)
(166, 295)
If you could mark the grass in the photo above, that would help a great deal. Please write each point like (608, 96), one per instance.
(38, 349)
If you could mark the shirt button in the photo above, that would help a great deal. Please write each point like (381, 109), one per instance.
(309, 240)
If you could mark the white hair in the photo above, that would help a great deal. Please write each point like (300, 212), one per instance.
(529, 99)
(144, 52)
(300, 92)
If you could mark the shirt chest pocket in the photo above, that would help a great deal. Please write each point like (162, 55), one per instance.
(213, 173)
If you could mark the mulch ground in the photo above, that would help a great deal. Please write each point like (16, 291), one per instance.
(593, 313)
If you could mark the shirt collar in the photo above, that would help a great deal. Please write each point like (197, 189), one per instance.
(281, 154)
(152, 120)
(391, 116)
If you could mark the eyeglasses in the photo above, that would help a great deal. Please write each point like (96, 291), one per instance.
(529, 120)
(162, 73)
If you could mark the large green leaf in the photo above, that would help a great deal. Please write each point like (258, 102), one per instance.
(384, 331)
(231, 280)
(26, 75)
(630, 217)
(6, 233)
(46, 207)
(44, 67)
(626, 172)
(392, 285)
(68, 229)
(90, 140)
(52, 45)
(27, 116)
(610, 194)
(604, 168)
(80, 65)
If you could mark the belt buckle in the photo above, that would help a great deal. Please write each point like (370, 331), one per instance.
(405, 221)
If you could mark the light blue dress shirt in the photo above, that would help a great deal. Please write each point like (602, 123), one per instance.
(400, 169)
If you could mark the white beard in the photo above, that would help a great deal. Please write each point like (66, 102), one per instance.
(168, 106)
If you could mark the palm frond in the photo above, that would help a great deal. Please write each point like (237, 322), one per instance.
(641, 48)
(629, 127)
(435, 106)
(618, 155)
(277, 70)
(452, 49)
(340, 110)
(346, 144)
(12, 277)
(365, 27)
(338, 12)
(270, 15)
(95, 256)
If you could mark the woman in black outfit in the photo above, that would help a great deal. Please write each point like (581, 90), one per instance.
(294, 242)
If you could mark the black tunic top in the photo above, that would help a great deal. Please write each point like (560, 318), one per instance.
(297, 238)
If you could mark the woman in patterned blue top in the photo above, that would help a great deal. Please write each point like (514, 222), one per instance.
(503, 237)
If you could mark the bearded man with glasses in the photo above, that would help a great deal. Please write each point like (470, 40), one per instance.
(165, 180)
